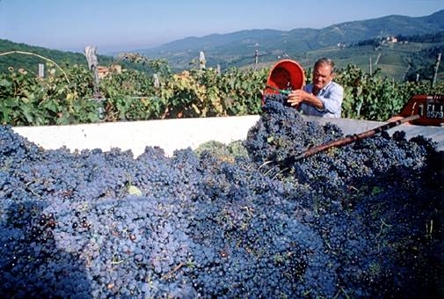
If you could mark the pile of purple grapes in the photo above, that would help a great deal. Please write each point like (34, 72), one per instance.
(359, 221)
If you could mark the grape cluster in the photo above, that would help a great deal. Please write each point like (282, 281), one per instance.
(241, 220)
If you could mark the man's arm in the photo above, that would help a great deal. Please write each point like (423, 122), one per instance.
(332, 101)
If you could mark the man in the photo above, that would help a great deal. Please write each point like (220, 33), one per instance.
(322, 97)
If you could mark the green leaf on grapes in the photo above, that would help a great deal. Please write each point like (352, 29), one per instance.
(133, 190)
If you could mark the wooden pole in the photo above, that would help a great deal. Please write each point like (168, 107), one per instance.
(438, 60)
(202, 60)
(41, 70)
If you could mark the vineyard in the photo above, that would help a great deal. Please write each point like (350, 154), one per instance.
(70, 95)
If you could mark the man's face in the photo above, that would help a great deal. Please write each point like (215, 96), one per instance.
(322, 75)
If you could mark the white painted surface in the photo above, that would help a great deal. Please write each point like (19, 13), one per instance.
(181, 133)
(168, 134)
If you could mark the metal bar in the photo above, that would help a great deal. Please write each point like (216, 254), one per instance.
(350, 139)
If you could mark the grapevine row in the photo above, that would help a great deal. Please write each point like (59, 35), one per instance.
(68, 97)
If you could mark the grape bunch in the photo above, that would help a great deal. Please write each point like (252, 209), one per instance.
(226, 221)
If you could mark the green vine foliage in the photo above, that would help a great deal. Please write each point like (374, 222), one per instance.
(131, 95)
(27, 100)
(375, 97)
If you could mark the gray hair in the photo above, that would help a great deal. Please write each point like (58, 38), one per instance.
(327, 61)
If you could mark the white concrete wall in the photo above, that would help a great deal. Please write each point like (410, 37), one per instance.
(168, 134)
(180, 133)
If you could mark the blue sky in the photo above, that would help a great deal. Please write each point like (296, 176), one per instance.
(119, 25)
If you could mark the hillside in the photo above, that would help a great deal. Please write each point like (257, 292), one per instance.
(239, 48)
(20, 55)
(30, 62)
(362, 43)
(403, 57)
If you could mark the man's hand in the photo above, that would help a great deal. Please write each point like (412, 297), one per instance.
(296, 97)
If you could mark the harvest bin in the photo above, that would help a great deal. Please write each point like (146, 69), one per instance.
(175, 134)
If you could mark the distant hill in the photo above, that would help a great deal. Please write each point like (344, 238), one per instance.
(401, 57)
(400, 46)
(239, 48)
